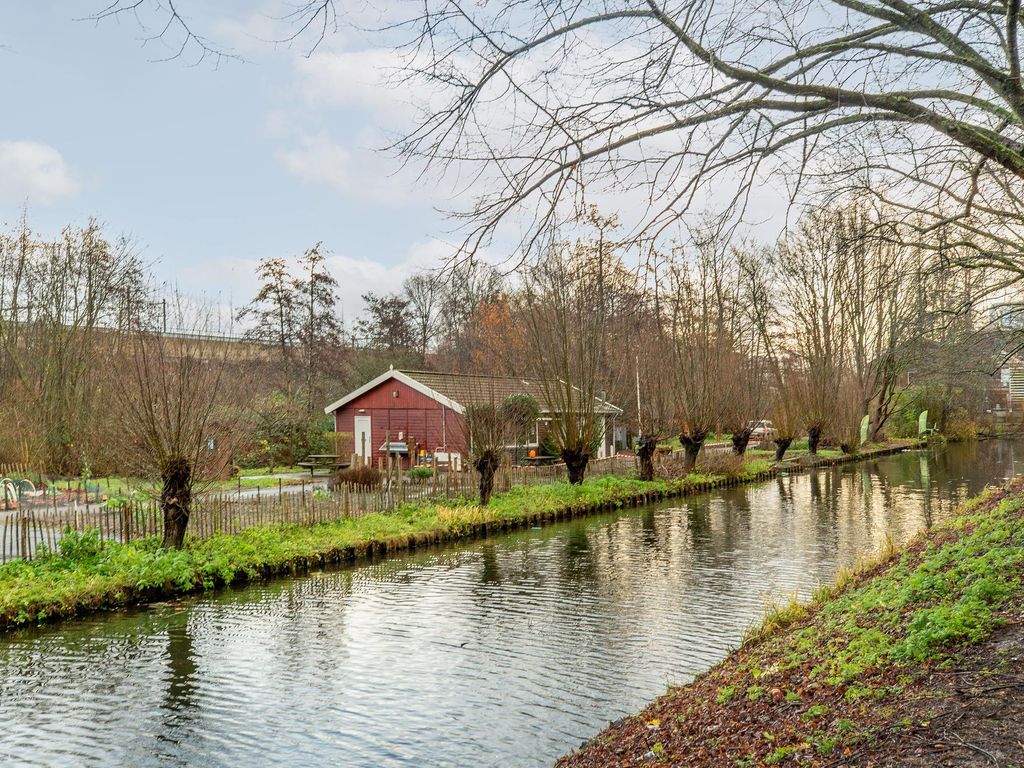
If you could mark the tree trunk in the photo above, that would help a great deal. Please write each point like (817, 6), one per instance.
(176, 501)
(575, 464)
(781, 446)
(813, 438)
(740, 440)
(882, 411)
(486, 465)
(182, 668)
(645, 448)
(691, 448)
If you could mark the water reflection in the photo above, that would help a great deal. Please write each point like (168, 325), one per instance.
(179, 699)
(508, 651)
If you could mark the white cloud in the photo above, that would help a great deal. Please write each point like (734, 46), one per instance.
(356, 275)
(34, 172)
(359, 275)
(346, 109)
(355, 171)
(362, 79)
(319, 159)
(253, 33)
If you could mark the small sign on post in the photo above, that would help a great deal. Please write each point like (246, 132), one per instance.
(864, 429)
(922, 423)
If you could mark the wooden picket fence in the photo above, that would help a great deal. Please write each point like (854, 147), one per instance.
(38, 526)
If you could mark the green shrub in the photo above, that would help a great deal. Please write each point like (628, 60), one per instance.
(420, 473)
(959, 426)
(81, 548)
(283, 432)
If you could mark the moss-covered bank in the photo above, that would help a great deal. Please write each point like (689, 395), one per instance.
(88, 574)
(854, 677)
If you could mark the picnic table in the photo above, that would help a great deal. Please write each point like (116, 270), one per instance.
(541, 461)
(328, 461)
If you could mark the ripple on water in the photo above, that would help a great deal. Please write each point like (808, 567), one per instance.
(508, 652)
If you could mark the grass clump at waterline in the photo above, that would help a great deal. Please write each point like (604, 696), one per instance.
(849, 675)
(87, 573)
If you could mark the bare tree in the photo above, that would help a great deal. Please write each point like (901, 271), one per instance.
(492, 428)
(62, 304)
(466, 287)
(649, 342)
(487, 435)
(179, 421)
(387, 325)
(567, 321)
(915, 102)
(813, 281)
(274, 314)
(747, 385)
(885, 302)
(655, 398)
(423, 293)
(319, 330)
(706, 324)
(919, 101)
(787, 406)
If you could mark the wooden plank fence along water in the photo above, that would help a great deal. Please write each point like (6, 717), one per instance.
(38, 524)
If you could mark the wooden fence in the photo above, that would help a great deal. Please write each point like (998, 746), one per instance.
(40, 523)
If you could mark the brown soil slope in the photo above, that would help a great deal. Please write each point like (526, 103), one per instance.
(915, 661)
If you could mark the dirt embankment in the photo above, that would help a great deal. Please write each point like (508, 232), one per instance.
(915, 661)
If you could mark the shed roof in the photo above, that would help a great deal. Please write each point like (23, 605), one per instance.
(457, 390)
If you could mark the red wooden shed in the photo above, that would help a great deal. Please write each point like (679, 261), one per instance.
(421, 412)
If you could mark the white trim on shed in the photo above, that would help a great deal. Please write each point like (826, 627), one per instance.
(404, 379)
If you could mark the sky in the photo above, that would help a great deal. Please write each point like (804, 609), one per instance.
(211, 165)
(210, 168)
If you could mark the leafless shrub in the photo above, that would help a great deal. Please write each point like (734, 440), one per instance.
(725, 463)
(351, 476)
(62, 304)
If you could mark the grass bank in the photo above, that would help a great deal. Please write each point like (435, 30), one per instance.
(856, 676)
(89, 574)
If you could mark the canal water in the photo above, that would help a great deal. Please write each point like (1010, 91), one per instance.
(503, 652)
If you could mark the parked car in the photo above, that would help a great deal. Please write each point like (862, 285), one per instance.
(763, 430)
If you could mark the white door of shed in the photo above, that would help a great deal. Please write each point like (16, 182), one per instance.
(364, 447)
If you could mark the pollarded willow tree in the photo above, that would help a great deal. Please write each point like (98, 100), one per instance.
(654, 378)
(707, 324)
(566, 313)
(747, 386)
(178, 398)
(494, 428)
(813, 282)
